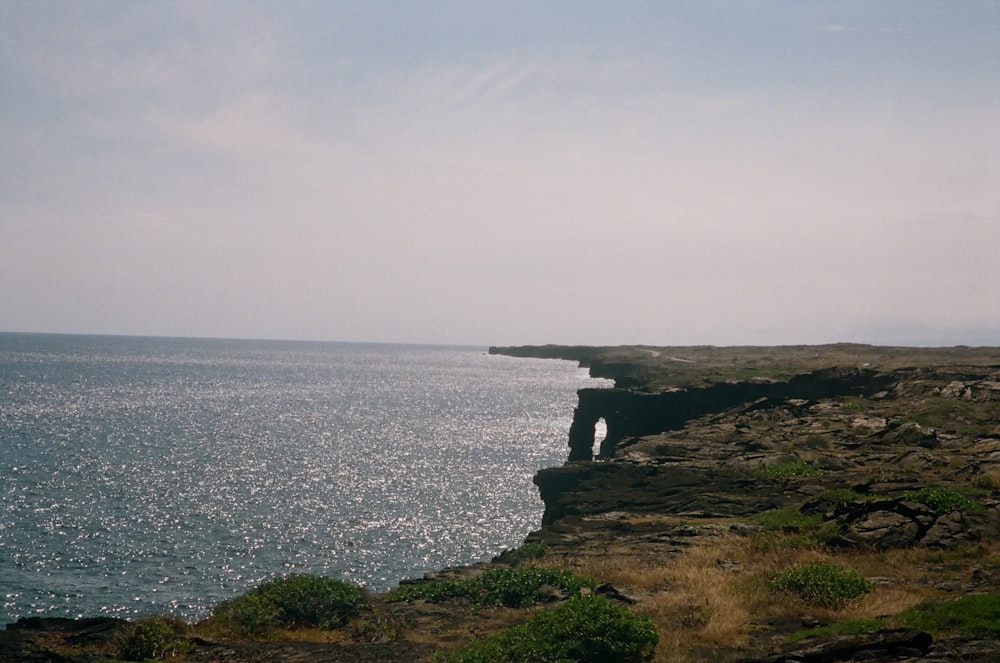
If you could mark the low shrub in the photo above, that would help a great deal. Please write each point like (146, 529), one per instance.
(292, 602)
(823, 584)
(584, 629)
(511, 587)
(943, 500)
(153, 637)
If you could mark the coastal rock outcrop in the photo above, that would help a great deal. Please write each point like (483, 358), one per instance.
(852, 447)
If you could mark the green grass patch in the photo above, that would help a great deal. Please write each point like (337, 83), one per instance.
(943, 500)
(793, 468)
(971, 616)
(823, 584)
(512, 587)
(584, 629)
(787, 520)
(846, 627)
(292, 602)
(792, 528)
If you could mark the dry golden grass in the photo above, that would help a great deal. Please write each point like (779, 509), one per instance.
(717, 593)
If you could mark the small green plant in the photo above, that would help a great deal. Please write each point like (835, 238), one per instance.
(153, 637)
(943, 500)
(584, 629)
(794, 468)
(291, 602)
(511, 587)
(525, 553)
(823, 584)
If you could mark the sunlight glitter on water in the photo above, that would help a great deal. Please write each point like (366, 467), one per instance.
(150, 474)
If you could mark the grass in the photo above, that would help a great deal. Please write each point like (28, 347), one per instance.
(718, 593)
(793, 468)
(510, 587)
(970, 616)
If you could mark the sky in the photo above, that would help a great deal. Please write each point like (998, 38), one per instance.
(499, 173)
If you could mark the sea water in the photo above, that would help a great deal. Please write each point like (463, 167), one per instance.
(159, 475)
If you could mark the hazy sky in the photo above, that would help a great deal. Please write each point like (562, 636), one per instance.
(503, 172)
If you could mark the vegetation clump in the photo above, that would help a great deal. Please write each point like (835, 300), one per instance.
(511, 587)
(823, 584)
(153, 637)
(584, 629)
(943, 500)
(794, 468)
(292, 602)
(970, 616)
(525, 553)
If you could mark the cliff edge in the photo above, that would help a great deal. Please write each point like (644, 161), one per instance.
(751, 460)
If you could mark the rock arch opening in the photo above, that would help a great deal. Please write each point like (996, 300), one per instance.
(600, 433)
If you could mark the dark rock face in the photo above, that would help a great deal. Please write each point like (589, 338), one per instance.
(630, 413)
(699, 451)
(851, 443)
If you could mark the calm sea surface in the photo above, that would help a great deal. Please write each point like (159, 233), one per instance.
(151, 475)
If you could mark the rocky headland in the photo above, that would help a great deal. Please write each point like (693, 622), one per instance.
(723, 468)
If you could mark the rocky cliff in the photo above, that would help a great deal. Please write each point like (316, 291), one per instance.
(853, 452)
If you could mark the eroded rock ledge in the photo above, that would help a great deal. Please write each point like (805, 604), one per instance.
(695, 436)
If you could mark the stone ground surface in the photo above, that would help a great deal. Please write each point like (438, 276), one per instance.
(854, 445)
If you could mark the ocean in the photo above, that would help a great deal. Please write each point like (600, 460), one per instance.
(161, 475)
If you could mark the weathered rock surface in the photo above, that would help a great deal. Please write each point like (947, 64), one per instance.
(862, 432)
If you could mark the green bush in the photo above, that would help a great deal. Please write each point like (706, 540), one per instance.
(584, 629)
(292, 602)
(152, 637)
(511, 587)
(823, 584)
(943, 500)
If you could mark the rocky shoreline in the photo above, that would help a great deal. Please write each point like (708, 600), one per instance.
(720, 467)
